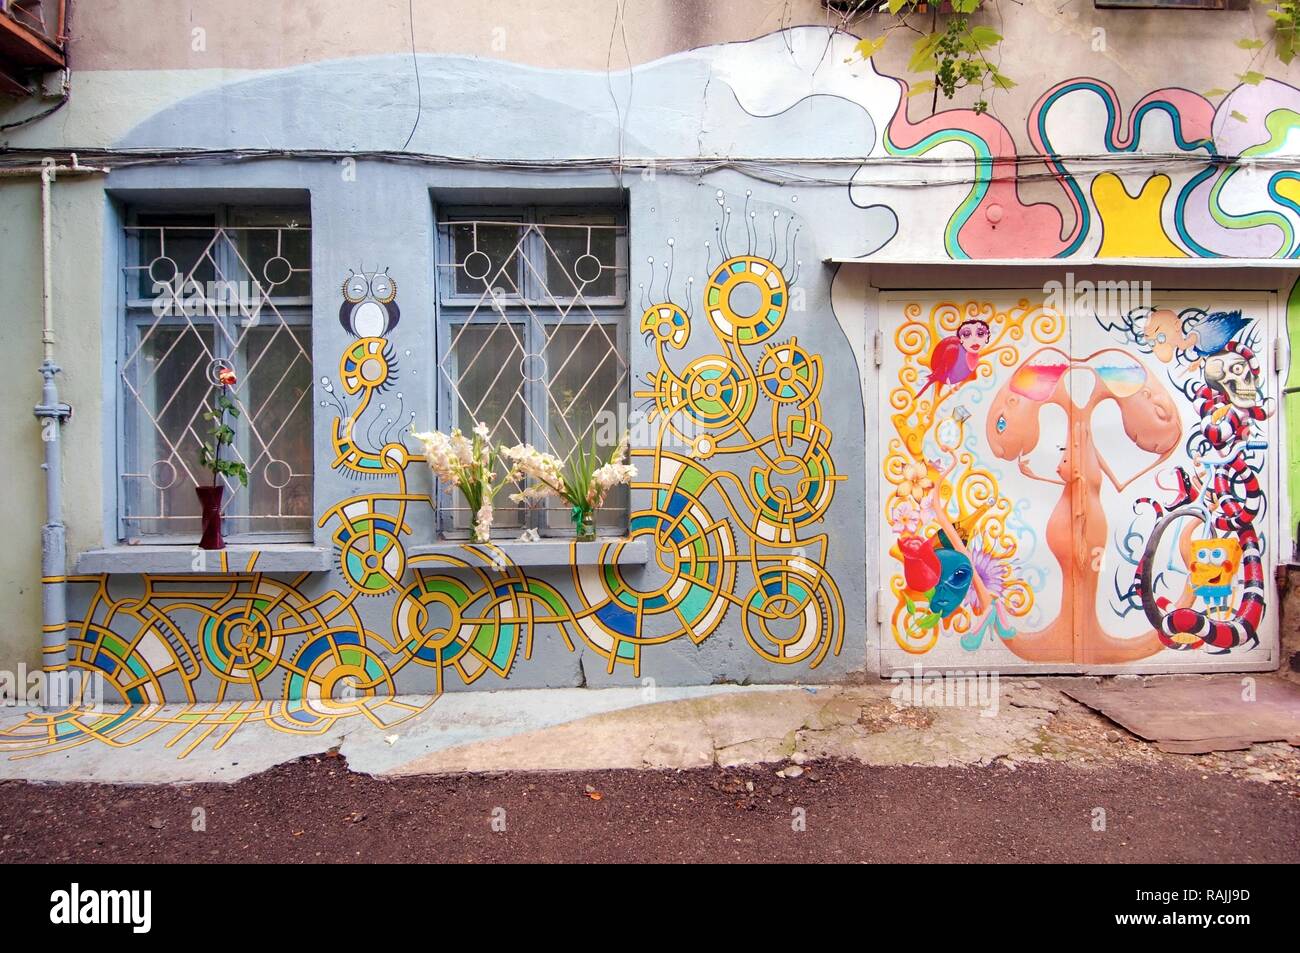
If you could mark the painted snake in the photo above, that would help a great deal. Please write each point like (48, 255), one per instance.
(1225, 428)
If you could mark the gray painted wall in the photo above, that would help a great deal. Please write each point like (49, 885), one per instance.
(384, 213)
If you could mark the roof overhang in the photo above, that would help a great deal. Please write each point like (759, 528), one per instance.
(1207, 274)
(1058, 264)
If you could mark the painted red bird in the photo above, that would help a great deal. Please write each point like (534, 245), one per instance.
(955, 359)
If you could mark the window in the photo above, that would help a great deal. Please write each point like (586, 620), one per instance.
(202, 290)
(532, 340)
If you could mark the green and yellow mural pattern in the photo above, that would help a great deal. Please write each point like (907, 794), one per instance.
(723, 541)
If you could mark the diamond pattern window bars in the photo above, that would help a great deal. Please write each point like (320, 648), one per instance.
(202, 291)
(533, 340)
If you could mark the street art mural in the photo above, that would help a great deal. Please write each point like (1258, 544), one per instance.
(727, 540)
(1196, 206)
(944, 508)
(1018, 475)
(1053, 492)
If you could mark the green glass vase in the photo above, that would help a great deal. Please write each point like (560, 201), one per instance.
(584, 523)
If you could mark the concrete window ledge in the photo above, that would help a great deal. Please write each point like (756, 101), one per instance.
(190, 560)
(547, 552)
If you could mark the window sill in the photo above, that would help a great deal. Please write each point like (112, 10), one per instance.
(192, 561)
(549, 552)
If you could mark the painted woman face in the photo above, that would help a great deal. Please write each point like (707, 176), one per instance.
(973, 335)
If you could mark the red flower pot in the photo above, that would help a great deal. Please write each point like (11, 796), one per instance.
(210, 503)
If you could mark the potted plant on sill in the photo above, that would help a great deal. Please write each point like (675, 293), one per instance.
(223, 435)
(583, 482)
(470, 464)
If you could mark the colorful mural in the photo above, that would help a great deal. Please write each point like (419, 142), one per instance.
(966, 552)
(1054, 492)
(1246, 207)
(724, 540)
(947, 513)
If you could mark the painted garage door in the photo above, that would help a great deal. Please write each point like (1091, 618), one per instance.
(1076, 494)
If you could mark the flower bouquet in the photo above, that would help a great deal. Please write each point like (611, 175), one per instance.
(583, 482)
(469, 464)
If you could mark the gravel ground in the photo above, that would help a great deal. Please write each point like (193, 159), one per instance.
(316, 810)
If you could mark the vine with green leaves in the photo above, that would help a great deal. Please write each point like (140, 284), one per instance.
(1284, 41)
(955, 52)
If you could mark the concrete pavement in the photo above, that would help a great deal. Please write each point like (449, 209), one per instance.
(1008, 722)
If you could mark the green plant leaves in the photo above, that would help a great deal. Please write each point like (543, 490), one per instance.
(223, 435)
(868, 48)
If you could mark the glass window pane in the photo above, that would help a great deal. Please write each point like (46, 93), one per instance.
(555, 258)
(487, 258)
(273, 248)
(275, 432)
(487, 389)
(173, 244)
(587, 386)
(581, 258)
(165, 428)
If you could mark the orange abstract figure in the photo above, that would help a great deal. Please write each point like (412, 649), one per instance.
(1077, 527)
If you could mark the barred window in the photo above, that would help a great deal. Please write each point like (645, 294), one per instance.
(532, 341)
(205, 290)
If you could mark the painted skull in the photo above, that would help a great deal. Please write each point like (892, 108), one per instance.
(1233, 376)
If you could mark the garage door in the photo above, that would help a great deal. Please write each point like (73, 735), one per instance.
(1084, 493)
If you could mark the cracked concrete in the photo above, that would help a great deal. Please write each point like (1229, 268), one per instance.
(1023, 721)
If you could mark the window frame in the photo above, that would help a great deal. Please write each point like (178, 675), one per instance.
(453, 310)
(135, 313)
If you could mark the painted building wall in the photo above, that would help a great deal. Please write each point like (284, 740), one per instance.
(785, 99)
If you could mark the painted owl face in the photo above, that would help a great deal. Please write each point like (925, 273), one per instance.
(369, 307)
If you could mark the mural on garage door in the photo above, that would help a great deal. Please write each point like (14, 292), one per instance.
(1087, 491)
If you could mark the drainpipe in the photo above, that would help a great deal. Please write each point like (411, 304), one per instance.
(51, 414)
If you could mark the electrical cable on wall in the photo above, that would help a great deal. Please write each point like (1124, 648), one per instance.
(620, 9)
(415, 62)
(63, 101)
(769, 169)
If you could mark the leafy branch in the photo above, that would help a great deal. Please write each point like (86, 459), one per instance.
(1283, 41)
(223, 435)
(954, 53)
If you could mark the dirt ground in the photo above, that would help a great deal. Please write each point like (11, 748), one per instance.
(316, 810)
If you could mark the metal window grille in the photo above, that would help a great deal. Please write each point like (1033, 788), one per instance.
(532, 342)
(202, 291)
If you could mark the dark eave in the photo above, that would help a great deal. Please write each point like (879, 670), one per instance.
(23, 48)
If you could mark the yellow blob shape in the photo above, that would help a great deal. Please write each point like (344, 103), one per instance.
(1131, 226)
(1289, 189)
